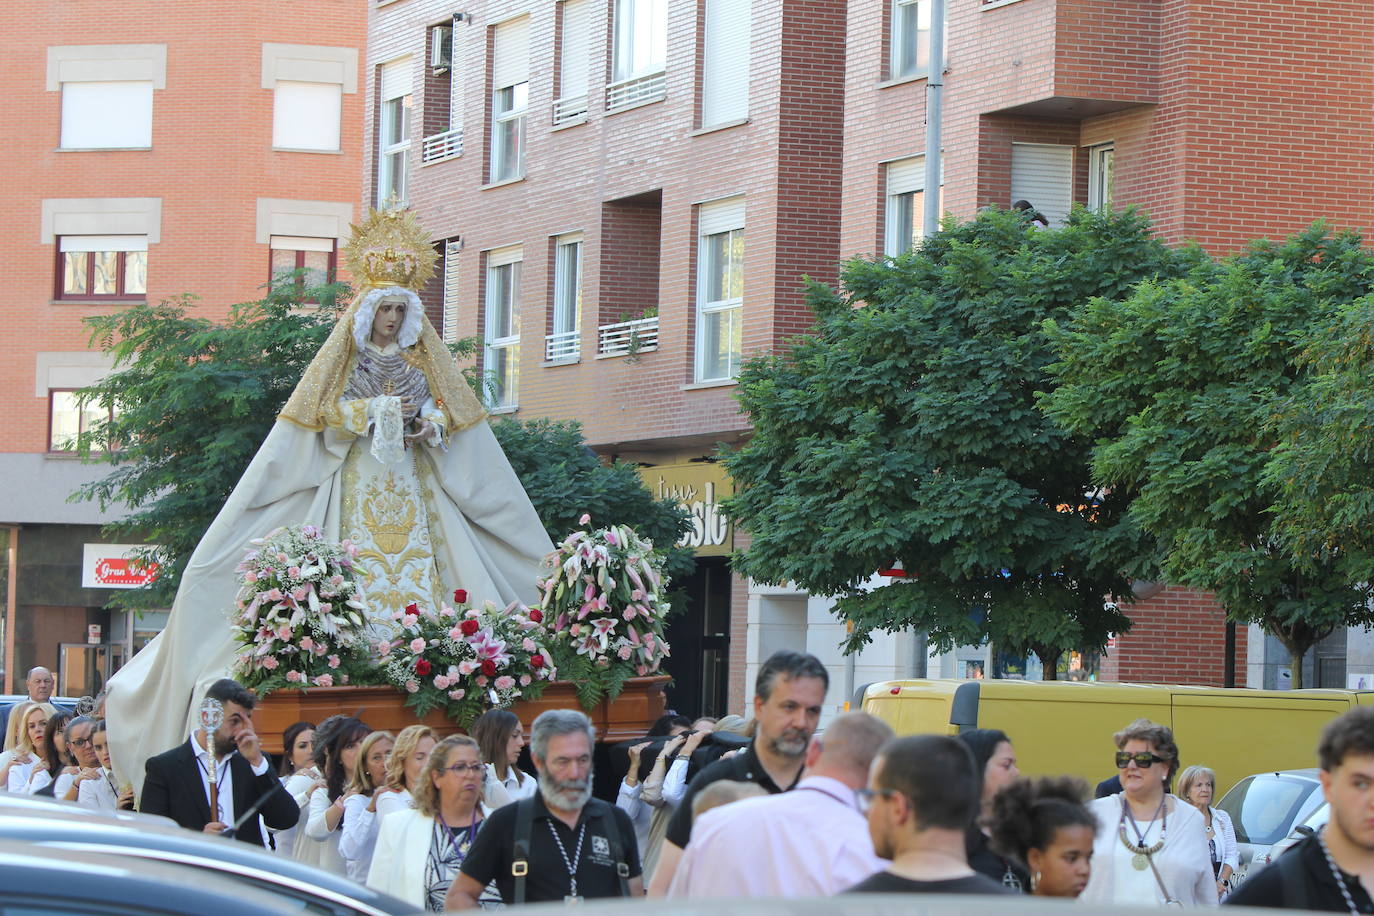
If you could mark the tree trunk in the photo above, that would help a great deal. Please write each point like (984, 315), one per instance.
(1049, 663)
(1298, 638)
(1295, 668)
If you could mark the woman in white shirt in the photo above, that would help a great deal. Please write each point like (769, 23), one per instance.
(103, 794)
(299, 777)
(403, 769)
(501, 737)
(336, 752)
(53, 759)
(1151, 847)
(1197, 785)
(30, 723)
(359, 832)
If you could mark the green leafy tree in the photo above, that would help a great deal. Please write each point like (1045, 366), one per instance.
(1183, 387)
(904, 426)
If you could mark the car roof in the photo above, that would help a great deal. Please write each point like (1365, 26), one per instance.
(99, 880)
(71, 827)
(1310, 773)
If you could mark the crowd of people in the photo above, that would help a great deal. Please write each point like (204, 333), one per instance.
(764, 807)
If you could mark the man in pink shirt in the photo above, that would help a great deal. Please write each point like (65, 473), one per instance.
(810, 842)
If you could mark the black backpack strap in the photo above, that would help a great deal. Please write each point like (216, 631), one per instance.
(524, 829)
(622, 868)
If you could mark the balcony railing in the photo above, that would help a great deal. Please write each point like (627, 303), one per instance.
(438, 147)
(637, 91)
(628, 337)
(562, 348)
(570, 110)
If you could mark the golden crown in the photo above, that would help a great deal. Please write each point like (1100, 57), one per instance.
(390, 248)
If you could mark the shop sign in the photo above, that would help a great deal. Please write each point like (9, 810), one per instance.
(699, 488)
(114, 566)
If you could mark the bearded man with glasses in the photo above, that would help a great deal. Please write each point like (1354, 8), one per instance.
(560, 844)
(1151, 847)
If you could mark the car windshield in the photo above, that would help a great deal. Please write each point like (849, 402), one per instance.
(1263, 809)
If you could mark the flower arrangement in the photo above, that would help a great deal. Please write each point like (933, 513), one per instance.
(299, 614)
(467, 660)
(606, 601)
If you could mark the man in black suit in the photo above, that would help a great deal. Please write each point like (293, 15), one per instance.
(177, 782)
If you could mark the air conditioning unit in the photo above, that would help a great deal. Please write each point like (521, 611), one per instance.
(441, 47)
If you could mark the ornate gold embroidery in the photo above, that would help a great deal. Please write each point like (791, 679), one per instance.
(388, 517)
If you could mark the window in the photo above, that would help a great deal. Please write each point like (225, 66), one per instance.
(102, 267)
(641, 38)
(393, 133)
(910, 37)
(1042, 175)
(316, 257)
(501, 352)
(720, 289)
(562, 343)
(67, 419)
(904, 213)
(574, 49)
(107, 93)
(1101, 176)
(725, 62)
(305, 116)
(510, 99)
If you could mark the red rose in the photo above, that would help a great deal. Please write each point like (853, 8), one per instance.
(413, 609)
(422, 667)
(460, 596)
(489, 668)
(469, 626)
(536, 660)
(536, 615)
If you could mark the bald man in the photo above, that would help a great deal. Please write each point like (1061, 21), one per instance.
(40, 683)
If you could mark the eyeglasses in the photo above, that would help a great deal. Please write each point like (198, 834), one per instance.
(466, 768)
(79, 742)
(865, 797)
(1144, 759)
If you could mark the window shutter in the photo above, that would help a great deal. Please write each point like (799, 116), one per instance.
(395, 79)
(511, 55)
(906, 176)
(451, 250)
(576, 50)
(301, 243)
(725, 77)
(721, 216)
(1043, 175)
(104, 243)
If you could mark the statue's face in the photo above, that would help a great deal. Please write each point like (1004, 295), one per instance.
(386, 323)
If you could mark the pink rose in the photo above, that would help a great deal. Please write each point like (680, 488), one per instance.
(333, 661)
(529, 645)
(294, 677)
(457, 694)
(270, 662)
(409, 620)
(467, 667)
(505, 682)
(625, 652)
(283, 632)
(320, 649)
(307, 643)
(412, 687)
(481, 680)
(250, 576)
(417, 645)
(455, 633)
(576, 629)
(384, 647)
(630, 612)
(641, 670)
(441, 681)
(524, 680)
(324, 680)
(294, 572)
(448, 612)
(584, 519)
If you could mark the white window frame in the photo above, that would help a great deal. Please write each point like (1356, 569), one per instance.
(305, 69)
(725, 61)
(505, 340)
(127, 64)
(574, 62)
(903, 221)
(721, 217)
(509, 106)
(566, 314)
(897, 67)
(627, 25)
(1101, 176)
(393, 158)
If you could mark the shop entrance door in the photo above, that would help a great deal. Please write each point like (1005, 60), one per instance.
(700, 642)
(83, 669)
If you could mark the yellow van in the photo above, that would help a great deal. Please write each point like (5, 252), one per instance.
(1066, 727)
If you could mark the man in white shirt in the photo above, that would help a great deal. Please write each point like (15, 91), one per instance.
(810, 842)
(177, 784)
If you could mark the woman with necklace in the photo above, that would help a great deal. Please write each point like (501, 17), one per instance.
(420, 851)
(1151, 847)
(995, 761)
(1197, 786)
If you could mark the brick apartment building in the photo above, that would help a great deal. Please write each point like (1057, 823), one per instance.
(165, 149)
(626, 194)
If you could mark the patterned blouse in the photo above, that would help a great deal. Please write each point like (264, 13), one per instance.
(448, 848)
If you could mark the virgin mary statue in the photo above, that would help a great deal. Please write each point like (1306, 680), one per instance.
(382, 442)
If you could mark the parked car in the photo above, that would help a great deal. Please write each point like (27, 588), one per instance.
(1265, 808)
(132, 837)
(1315, 821)
(73, 883)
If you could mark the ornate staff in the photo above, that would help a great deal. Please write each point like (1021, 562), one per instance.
(211, 717)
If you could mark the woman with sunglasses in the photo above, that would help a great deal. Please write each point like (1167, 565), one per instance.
(420, 850)
(1151, 847)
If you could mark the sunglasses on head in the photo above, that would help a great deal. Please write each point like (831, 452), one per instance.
(1144, 759)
